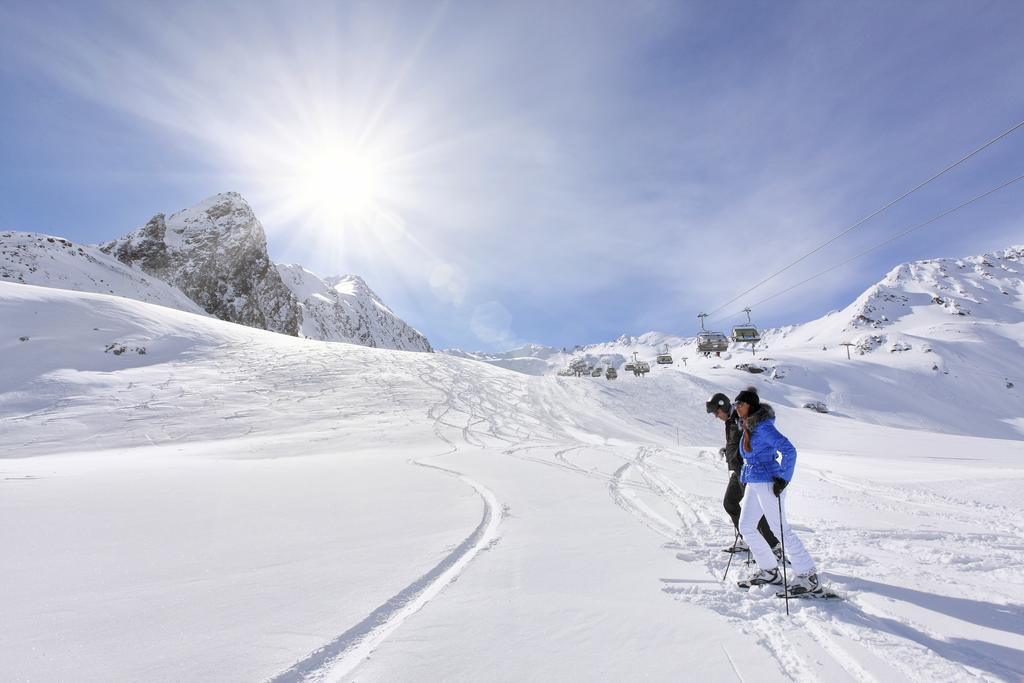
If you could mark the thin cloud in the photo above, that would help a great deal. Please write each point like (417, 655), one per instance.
(647, 160)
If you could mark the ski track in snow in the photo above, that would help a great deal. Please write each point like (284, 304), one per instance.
(862, 640)
(346, 652)
(851, 632)
(871, 631)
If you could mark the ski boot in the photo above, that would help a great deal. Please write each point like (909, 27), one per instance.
(762, 577)
(740, 546)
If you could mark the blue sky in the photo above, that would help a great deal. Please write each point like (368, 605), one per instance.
(551, 172)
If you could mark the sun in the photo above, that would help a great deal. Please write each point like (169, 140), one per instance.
(337, 184)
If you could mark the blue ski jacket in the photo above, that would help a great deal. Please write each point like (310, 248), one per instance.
(761, 463)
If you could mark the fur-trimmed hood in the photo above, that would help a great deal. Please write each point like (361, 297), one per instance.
(764, 412)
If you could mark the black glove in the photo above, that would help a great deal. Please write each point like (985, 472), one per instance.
(779, 484)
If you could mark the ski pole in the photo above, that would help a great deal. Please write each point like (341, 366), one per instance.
(729, 564)
(782, 538)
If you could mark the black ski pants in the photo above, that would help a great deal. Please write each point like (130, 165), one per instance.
(733, 496)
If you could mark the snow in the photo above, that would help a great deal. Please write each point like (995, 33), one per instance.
(235, 504)
(345, 309)
(48, 261)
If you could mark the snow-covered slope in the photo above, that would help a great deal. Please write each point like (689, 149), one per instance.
(47, 261)
(216, 253)
(942, 297)
(536, 359)
(929, 338)
(532, 359)
(235, 504)
(346, 309)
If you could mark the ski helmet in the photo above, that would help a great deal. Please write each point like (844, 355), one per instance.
(717, 401)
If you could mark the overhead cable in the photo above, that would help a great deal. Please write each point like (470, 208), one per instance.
(872, 215)
(888, 241)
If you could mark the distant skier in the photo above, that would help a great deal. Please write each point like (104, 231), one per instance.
(766, 479)
(721, 407)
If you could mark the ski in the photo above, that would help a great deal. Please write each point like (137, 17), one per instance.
(745, 584)
(813, 595)
(734, 550)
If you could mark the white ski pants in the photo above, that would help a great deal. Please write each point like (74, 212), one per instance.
(760, 500)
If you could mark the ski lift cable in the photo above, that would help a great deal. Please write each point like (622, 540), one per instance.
(872, 215)
(890, 240)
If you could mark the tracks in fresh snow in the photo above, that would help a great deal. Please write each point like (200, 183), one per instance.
(868, 637)
(348, 650)
(343, 654)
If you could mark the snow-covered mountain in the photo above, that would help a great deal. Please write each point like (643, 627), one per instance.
(532, 359)
(345, 309)
(212, 258)
(540, 359)
(216, 253)
(536, 359)
(922, 298)
(47, 261)
(936, 333)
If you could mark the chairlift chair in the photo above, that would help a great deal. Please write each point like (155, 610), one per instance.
(712, 342)
(746, 334)
(664, 358)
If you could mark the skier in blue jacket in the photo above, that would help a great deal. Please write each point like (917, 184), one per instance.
(766, 477)
(721, 407)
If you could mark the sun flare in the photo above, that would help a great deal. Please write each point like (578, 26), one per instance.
(338, 184)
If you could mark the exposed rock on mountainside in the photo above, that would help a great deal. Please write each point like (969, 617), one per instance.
(346, 309)
(956, 286)
(216, 253)
(45, 261)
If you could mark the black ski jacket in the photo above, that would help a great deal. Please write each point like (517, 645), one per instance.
(732, 442)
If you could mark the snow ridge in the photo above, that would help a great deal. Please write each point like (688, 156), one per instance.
(345, 309)
(47, 261)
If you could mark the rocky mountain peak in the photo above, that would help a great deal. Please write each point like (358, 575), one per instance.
(216, 253)
(212, 257)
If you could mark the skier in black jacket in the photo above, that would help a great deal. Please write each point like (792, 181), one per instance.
(721, 407)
